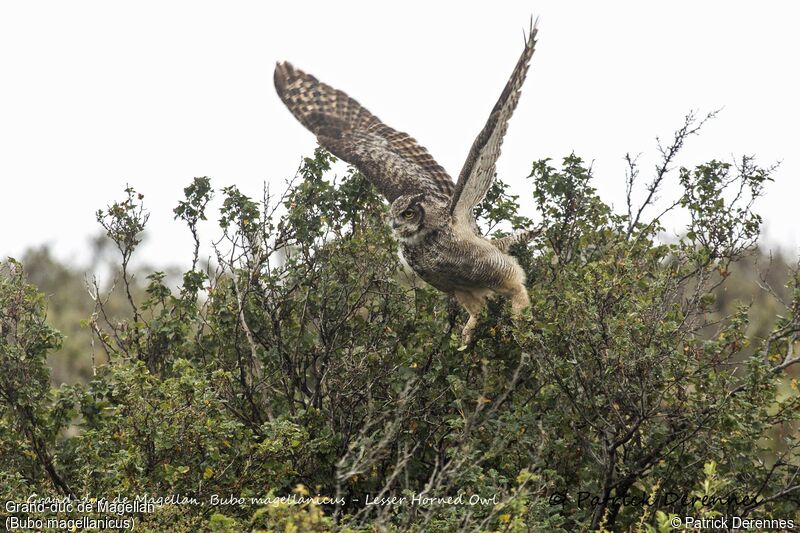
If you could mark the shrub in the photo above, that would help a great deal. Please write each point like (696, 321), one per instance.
(309, 362)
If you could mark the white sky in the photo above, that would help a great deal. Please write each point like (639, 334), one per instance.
(94, 95)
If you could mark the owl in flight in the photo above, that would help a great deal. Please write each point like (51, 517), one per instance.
(431, 215)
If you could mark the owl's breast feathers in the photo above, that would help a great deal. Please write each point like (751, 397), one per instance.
(451, 262)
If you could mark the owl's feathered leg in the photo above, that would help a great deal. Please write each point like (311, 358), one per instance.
(520, 300)
(518, 294)
(473, 302)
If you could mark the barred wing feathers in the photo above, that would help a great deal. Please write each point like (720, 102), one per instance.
(479, 169)
(390, 159)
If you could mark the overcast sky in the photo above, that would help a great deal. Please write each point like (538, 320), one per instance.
(94, 95)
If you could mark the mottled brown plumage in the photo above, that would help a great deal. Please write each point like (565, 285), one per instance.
(479, 169)
(431, 216)
(390, 159)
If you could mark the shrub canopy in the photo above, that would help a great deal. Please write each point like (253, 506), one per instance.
(310, 362)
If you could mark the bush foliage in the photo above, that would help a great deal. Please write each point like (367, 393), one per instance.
(309, 362)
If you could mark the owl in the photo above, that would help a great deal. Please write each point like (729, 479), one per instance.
(431, 215)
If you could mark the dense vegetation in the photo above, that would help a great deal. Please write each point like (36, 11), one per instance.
(310, 362)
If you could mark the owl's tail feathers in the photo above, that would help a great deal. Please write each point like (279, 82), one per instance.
(519, 237)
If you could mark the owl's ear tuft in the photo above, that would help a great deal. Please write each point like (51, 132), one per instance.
(415, 199)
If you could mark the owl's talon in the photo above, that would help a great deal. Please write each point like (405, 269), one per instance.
(466, 342)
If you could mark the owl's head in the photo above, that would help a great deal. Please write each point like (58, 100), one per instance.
(411, 215)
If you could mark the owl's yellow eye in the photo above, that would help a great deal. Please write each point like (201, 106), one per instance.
(408, 214)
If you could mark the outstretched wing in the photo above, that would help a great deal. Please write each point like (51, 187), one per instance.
(479, 169)
(390, 159)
